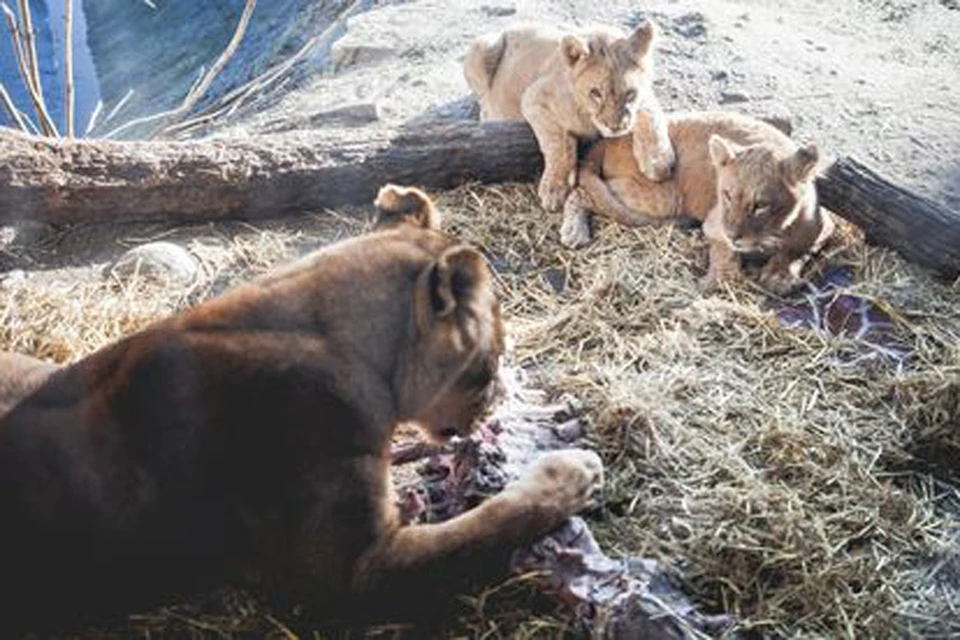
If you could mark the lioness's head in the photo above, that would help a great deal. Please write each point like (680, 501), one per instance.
(447, 376)
(612, 76)
(763, 192)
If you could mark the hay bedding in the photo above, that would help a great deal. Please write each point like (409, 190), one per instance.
(801, 481)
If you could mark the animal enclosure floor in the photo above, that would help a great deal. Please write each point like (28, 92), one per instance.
(785, 472)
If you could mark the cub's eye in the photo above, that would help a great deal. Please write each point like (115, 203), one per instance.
(595, 94)
(761, 208)
(630, 96)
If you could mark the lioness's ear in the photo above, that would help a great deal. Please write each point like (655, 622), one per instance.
(643, 38)
(406, 204)
(722, 151)
(573, 49)
(451, 283)
(800, 166)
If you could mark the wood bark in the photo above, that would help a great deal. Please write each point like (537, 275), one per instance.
(921, 230)
(63, 181)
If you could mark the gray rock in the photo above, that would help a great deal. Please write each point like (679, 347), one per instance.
(351, 115)
(162, 262)
(345, 55)
(733, 97)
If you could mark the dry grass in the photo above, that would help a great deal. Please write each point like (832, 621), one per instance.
(763, 460)
(799, 484)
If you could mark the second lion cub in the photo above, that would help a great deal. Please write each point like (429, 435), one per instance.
(749, 183)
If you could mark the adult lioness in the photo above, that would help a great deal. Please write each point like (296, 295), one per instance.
(750, 184)
(253, 432)
(570, 86)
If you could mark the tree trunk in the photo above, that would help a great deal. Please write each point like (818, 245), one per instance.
(59, 181)
(921, 230)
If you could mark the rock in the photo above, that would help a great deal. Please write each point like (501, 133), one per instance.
(346, 54)
(17, 276)
(351, 115)
(733, 97)
(163, 262)
(690, 25)
(498, 11)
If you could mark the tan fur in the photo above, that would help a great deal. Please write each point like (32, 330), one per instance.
(751, 186)
(20, 376)
(570, 86)
(252, 434)
(406, 204)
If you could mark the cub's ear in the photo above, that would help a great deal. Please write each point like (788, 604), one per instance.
(722, 151)
(573, 49)
(452, 283)
(800, 166)
(406, 204)
(643, 39)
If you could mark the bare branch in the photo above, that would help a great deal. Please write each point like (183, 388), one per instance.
(199, 88)
(12, 108)
(23, 62)
(68, 98)
(230, 103)
(29, 50)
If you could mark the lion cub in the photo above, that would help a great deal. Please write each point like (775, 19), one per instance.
(750, 184)
(571, 86)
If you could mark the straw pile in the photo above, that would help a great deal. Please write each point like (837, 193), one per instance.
(800, 482)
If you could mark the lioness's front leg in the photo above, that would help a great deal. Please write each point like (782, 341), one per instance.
(559, 149)
(478, 543)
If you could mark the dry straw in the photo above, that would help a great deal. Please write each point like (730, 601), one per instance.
(798, 481)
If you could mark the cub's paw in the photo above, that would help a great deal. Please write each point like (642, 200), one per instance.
(553, 193)
(781, 284)
(565, 482)
(659, 165)
(708, 284)
(575, 231)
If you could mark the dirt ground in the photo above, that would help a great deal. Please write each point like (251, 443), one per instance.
(876, 80)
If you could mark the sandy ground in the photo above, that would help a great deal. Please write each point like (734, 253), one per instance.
(875, 80)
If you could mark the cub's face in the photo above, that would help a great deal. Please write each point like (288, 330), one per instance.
(448, 375)
(612, 77)
(762, 194)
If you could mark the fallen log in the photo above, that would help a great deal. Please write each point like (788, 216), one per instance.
(919, 229)
(65, 181)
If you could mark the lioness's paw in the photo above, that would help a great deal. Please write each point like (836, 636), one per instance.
(575, 230)
(566, 482)
(553, 193)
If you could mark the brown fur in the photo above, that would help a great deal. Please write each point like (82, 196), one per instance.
(751, 186)
(252, 433)
(570, 86)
